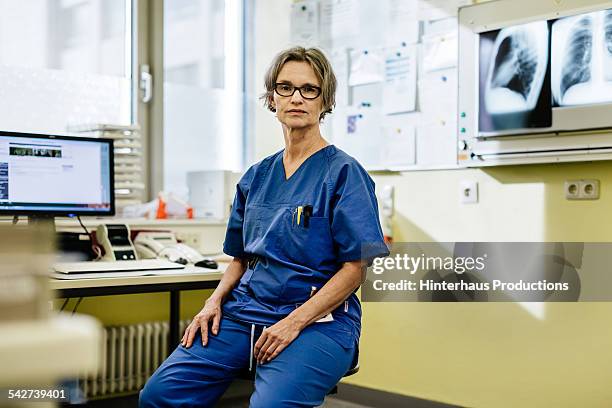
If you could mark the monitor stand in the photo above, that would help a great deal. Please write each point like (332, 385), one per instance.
(43, 222)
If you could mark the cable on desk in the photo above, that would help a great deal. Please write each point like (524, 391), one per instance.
(64, 305)
(83, 225)
(77, 305)
(95, 248)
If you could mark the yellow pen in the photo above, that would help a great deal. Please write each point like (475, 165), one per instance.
(300, 209)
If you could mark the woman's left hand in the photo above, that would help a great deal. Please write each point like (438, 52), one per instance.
(275, 339)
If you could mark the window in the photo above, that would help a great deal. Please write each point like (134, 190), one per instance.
(203, 89)
(65, 63)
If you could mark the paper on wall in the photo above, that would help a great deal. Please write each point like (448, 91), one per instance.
(338, 22)
(339, 61)
(440, 27)
(402, 23)
(304, 22)
(367, 133)
(367, 95)
(372, 24)
(357, 131)
(367, 66)
(438, 96)
(399, 150)
(399, 88)
(336, 123)
(440, 51)
(436, 144)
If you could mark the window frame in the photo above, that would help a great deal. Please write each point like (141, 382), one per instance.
(151, 115)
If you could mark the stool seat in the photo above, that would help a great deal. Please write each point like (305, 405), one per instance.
(352, 371)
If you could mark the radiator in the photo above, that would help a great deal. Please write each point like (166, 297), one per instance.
(130, 355)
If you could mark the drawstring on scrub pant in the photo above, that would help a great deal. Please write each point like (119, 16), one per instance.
(251, 354)
(252, 264)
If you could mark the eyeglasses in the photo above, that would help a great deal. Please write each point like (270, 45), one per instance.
(307, 91)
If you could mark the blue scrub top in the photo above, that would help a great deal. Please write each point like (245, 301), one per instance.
(295, 258)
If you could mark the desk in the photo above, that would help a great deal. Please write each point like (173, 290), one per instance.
(190, 278)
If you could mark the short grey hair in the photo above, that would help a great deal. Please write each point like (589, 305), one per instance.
(321, 67)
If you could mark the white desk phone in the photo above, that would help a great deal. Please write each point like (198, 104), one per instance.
(151, 245)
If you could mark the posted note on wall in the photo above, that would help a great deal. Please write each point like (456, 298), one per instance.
(339, 61)
(402, 22)
(357, 131)
(437, 144)
(440, 51)
(438, 96)
(399, 89)
(399, 150)
(367, 66)
(338, 21)
(305, 22)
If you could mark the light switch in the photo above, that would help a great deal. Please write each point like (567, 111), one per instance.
(468, 192)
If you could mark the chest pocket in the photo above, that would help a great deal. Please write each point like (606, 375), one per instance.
(310, 246)
(275, 235)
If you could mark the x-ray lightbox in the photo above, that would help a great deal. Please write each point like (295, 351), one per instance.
(535, 82)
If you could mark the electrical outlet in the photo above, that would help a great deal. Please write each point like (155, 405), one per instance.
(582, 189)
(589, 189)
(468, 192)
(572, 189)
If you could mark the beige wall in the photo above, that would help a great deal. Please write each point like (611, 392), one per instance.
(494, 354)
(481, 355)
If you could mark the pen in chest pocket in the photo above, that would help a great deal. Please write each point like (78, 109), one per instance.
(307, 215)
(301, 215)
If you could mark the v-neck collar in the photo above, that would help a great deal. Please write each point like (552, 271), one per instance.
(282, 163)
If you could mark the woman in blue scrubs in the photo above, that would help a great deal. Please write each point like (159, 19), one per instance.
(304, 223)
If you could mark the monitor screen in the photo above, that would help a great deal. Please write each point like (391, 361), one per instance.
(55, 175)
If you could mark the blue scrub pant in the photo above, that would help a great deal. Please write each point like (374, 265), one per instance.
(300, 376)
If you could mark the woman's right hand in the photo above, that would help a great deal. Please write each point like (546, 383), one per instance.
(210, 313)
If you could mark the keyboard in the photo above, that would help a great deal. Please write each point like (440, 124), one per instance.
(116, 266)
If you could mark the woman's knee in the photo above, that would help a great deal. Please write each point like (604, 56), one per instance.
(162, 388)
(286, 395)
(151, 395)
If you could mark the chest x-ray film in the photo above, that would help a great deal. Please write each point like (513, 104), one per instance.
(514, 78)
(581, 58)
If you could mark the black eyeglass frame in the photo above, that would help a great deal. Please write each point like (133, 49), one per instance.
(297, 88)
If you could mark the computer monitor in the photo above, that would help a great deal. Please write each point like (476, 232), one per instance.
(44, 176)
